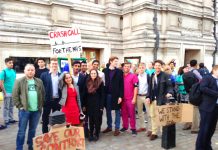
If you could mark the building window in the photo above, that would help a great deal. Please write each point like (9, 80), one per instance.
(20, 62)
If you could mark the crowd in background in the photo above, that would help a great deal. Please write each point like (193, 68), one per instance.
(128, 89)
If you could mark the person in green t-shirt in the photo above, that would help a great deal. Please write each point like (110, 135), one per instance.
(7, 79)
(29, 101)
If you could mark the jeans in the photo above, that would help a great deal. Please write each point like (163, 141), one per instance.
(109, 116)
(8, 109)
(207, 128)
(25, 117)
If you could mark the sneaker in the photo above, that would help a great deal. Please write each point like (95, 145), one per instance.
(141, 129)
(134, 133)
(3, 127)
(153, 137)
(149, 133)
(12, 121)
(116, 132)
(95, 138)
(107, 130)
(146, 121)
(194, 132)
(123, 130)
(91, 138)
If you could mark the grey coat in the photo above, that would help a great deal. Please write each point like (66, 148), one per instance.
(63, 88)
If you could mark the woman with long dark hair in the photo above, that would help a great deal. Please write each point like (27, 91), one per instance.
(94, 103)
(70, 100)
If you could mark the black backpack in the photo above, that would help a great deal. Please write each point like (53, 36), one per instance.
(189, 79)
(195, 95)
(204, 72)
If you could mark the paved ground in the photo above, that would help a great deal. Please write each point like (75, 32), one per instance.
(184, 140)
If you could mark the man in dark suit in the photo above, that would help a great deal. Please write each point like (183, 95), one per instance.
(208, 110)
(50, 81)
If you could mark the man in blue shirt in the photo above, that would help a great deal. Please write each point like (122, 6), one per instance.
(7, 79)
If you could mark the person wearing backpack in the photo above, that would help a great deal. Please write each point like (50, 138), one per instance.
(190, 78)
(7, 80)
(203, 70)
(208, 110)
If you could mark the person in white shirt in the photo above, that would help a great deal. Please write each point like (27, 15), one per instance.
(142, 92)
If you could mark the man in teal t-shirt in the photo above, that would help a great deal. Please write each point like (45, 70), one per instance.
(7, 79)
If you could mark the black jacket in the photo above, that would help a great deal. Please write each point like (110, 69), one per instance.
(164, 86)
(117, 86)
(81, 84)
(209, 89)
(93, 102)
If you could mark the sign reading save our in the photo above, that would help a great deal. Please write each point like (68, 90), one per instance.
(66, 41)
(61, 138)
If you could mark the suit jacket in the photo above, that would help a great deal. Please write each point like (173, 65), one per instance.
(209, 89)
(47, 82)
(117, 86)
(164, 86)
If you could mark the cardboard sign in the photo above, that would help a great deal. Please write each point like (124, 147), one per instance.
(61, 138)
(171, 114)
(66, 41)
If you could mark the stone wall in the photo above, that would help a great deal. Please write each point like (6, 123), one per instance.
(117, 27)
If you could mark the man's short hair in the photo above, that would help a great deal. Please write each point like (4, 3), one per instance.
(40, 59)
(158, 61)
(201, 65)
(193, 62)
(8, 59)
(76, 62)
(29, 65)
(95, 61)
(127, 63)
(83, 62)
(112, 58)
(53, 59)
(142, 64)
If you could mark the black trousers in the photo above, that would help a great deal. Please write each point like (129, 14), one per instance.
(49, 106)
(207, 128)
(94, 124)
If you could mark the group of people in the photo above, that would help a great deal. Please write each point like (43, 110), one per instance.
(126, 90)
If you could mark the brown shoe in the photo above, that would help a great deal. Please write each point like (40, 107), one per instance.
(141, 130)
(194, 132)
(116, 132)
(107, 130)
(186, 128)
(149, 133)
(153, 137)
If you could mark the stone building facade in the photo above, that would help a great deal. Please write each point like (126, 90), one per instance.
(182, 30)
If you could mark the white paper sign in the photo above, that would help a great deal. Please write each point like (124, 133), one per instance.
(66, 41)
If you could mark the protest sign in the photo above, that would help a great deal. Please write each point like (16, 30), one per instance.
(171, 114)
(66, 41)
(61, 138)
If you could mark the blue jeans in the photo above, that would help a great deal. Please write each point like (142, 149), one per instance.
(8, 108)
(109, 117)
(24, 118)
